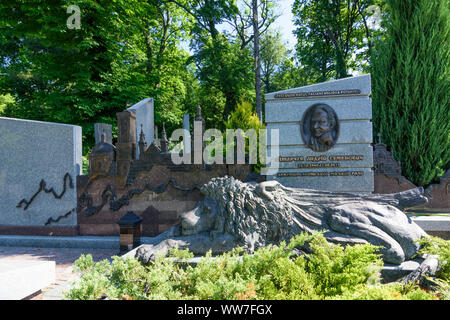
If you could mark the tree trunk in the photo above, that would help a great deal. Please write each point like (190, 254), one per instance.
(341, 66)
(257, 61)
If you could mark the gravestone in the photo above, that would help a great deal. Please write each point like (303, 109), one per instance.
(99, 129)
(186, 136)
(144, 112)
(325, 136)
(39, 164)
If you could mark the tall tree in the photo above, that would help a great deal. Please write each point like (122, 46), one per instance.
(207, 14)
(257, 61)
(86, 75)
(330, 33)
(256, 16)
(273, 52)
(411, 82)
(290, 74)
(221, 63)
(55, 73)
(159, 32)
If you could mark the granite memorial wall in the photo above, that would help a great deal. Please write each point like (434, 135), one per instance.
(39, 165)
(325, 135)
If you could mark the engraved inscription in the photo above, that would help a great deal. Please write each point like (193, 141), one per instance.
(290, 159)
(317, 93)
(321, 174)
(322, 158)
(318, 165)
(346, 158)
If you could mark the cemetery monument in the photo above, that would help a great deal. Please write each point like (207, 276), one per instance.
(325, 135)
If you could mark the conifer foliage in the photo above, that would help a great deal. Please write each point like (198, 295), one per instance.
(411, 85)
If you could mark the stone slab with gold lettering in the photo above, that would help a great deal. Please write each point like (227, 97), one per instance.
(324, 136)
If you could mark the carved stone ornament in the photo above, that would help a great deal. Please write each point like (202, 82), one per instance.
(320, 127)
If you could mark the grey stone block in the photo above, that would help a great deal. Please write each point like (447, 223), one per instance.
(144, 111)
(100, 128)
(94, 242)
(349, 106)
(22, 278)
(392, 272)
(60, 242)
(288, 110)
(39, 163)
(356, 131)
(362, 83)
(430, 223)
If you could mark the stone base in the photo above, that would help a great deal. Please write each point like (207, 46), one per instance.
(20, 279)
(391, 272)
(67, 231)
(59, 242)
(68, 242)
(438, 226)
(433, 223)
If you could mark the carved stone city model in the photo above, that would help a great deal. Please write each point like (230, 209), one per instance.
(141, 177)
(255, 215)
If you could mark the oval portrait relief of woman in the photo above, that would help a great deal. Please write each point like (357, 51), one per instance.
(320, 129)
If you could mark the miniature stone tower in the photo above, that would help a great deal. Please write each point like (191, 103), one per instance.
(164, 141)
(383, 160)
(142, 143)
(102, 158)
(126, 143)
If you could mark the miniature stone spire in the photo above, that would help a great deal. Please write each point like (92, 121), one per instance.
(103, 137)
(142, 142)
(200, 118)
(199, 114)
(142, 135)
(164, 141)
(156, 141)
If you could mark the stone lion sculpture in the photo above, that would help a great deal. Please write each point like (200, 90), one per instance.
(234, 213)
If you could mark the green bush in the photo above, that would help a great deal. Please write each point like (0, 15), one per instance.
(274, 272)
(394, 291)
(245, 118)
